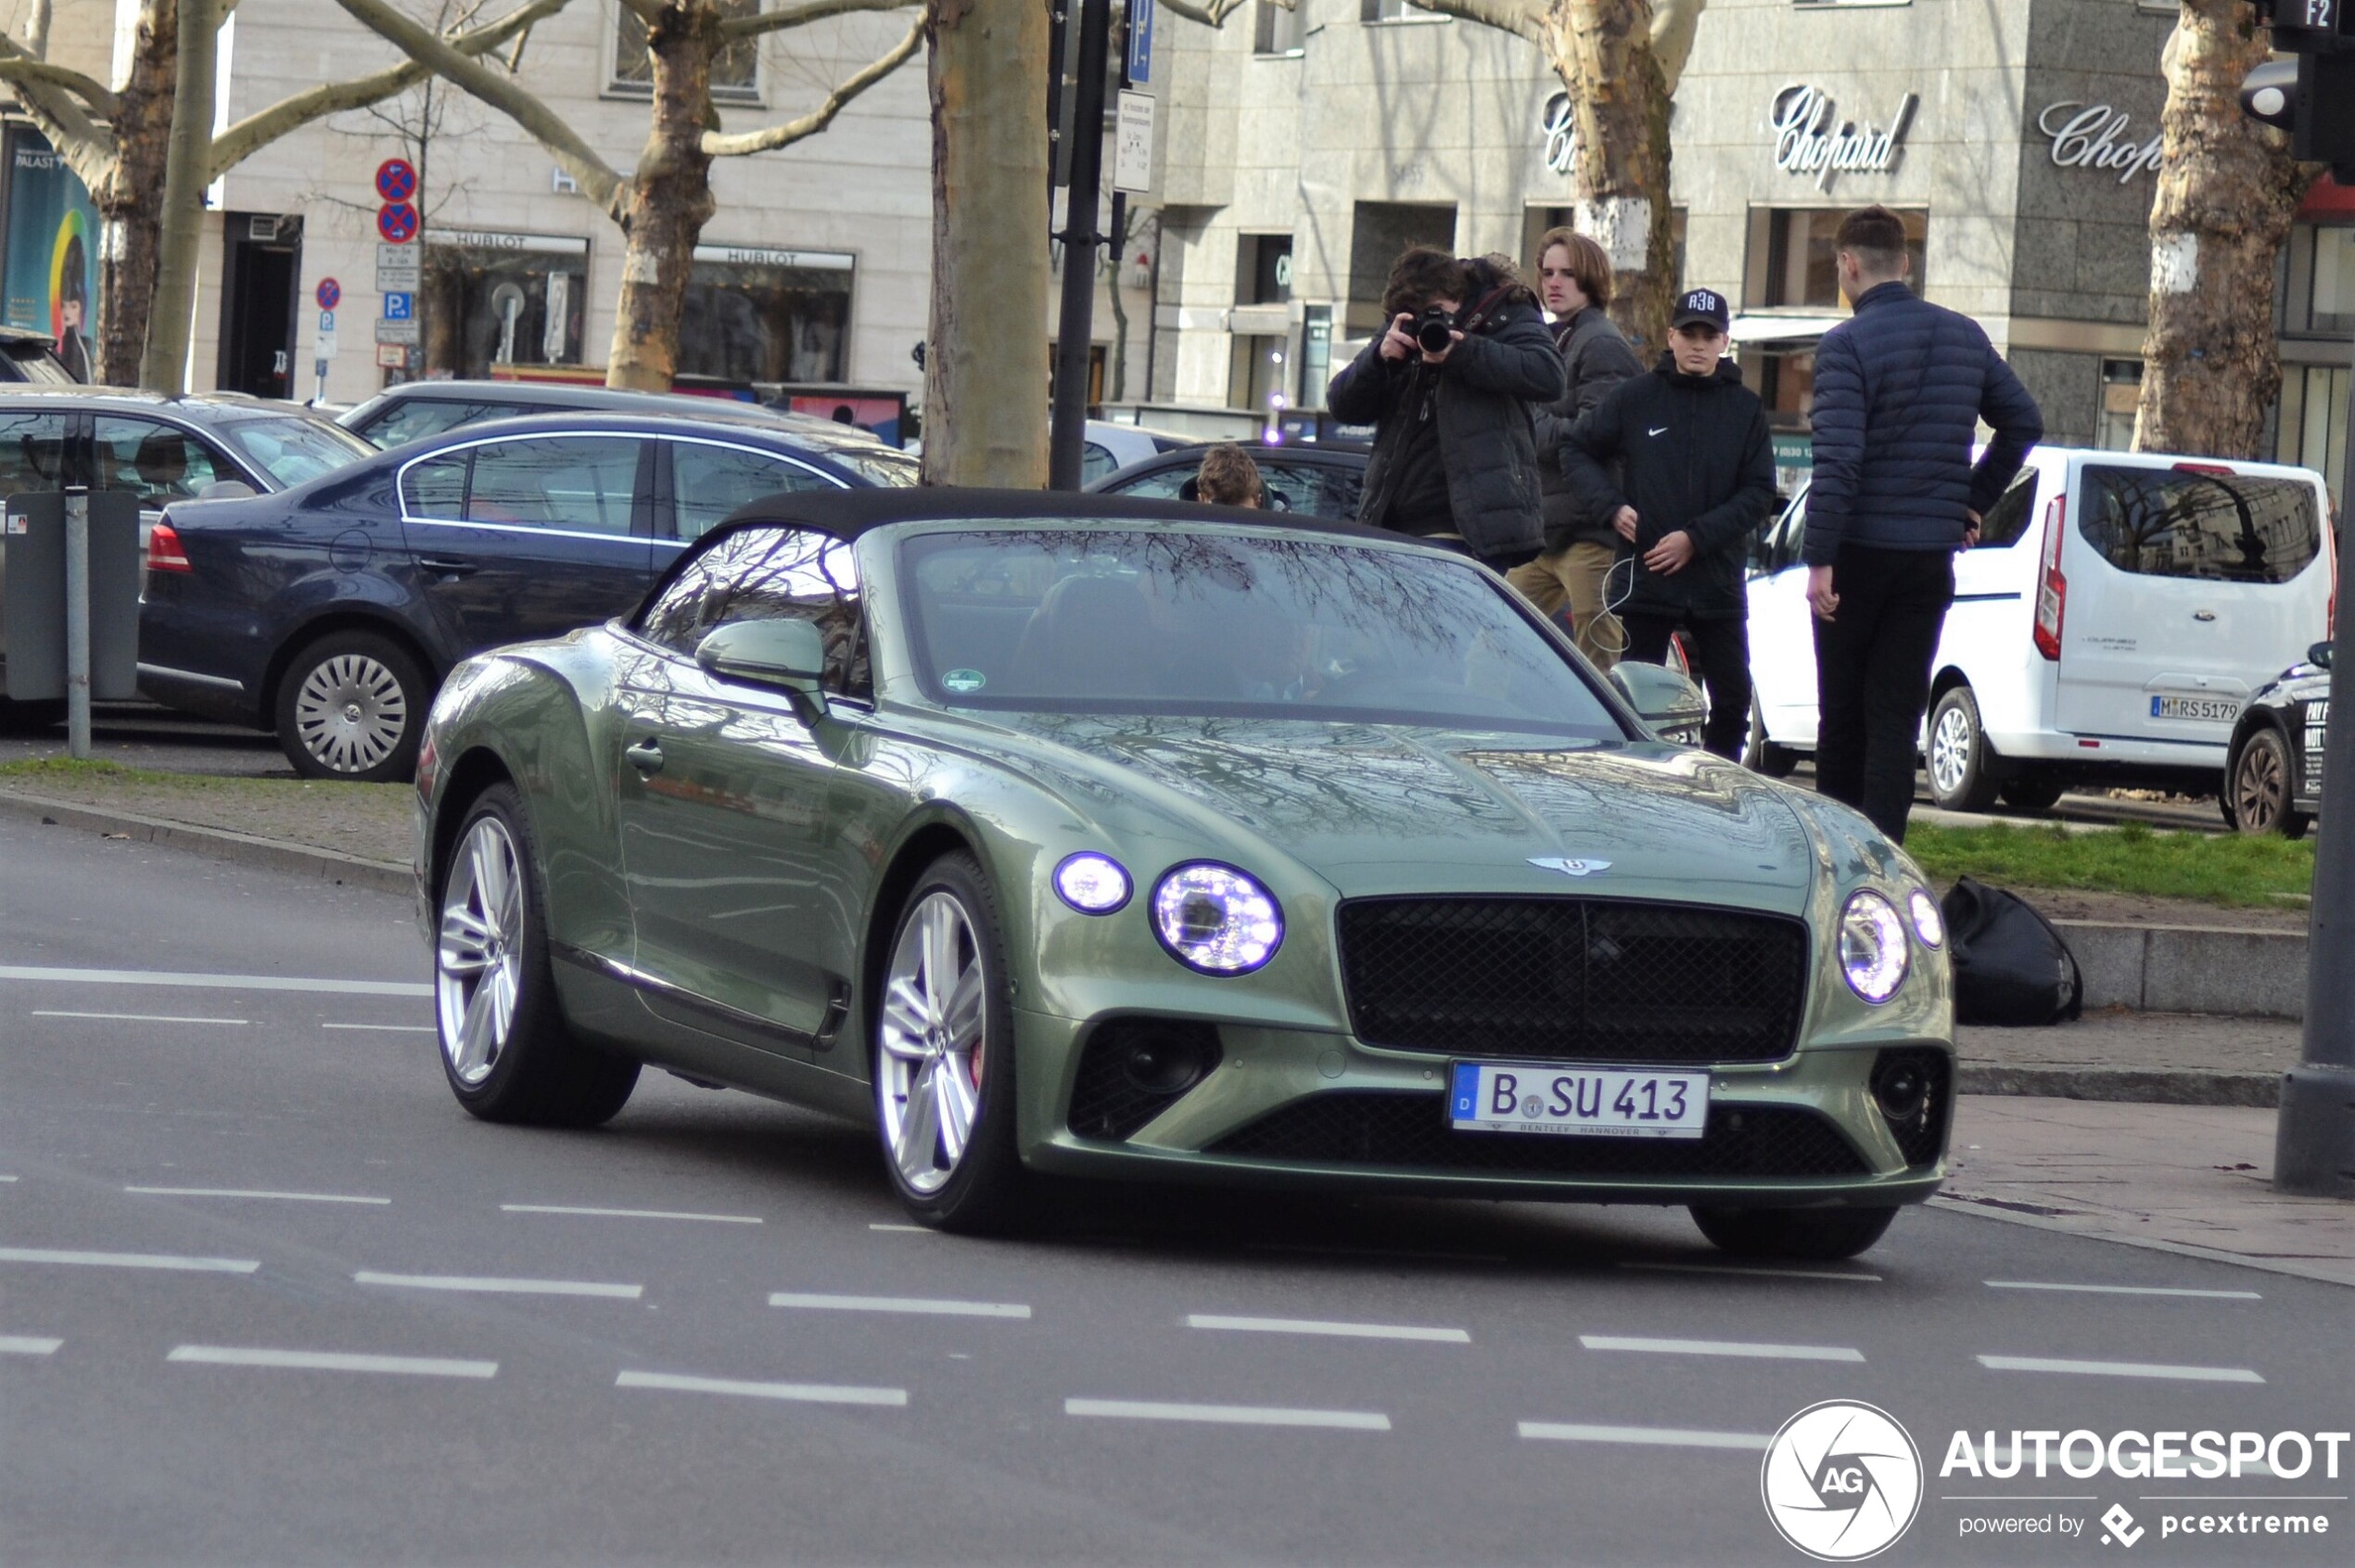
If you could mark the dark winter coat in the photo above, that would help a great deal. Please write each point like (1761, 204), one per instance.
(1692, 454)
(1595, 358)
(1899, 389)
(1486, 436)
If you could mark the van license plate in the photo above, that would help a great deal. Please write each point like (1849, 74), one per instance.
(2221, 709)
(1579, 1101)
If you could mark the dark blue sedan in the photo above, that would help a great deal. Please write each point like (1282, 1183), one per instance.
(330, 612)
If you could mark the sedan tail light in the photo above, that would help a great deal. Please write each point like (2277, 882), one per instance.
(165, 552)
(2052, 589)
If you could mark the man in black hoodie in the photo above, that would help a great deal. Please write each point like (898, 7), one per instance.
(1697, 476)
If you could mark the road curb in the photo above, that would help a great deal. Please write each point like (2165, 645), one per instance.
(220, 844)
(2190, 968)
(2147, 1086)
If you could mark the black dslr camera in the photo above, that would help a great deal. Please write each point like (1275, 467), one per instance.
(1435, 329)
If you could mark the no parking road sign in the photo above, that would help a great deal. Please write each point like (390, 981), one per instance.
(395, 181)
(330, 293)
(396, 222)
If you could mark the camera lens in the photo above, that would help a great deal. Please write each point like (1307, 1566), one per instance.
(1435, 333)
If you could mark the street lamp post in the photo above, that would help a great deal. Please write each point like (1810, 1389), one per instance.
(1075, 330)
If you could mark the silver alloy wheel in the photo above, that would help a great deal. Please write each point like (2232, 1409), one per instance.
(350, 713)
(1949, 748)
(2259, 786)
(479, 960)
(934, 1043)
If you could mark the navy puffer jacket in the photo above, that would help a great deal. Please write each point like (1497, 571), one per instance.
(1899, 389)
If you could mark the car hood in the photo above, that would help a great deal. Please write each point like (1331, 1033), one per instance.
(1387, 809)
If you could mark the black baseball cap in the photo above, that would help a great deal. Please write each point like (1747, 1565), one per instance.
(1702, 305)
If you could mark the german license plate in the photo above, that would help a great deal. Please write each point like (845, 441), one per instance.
(1576, 1101)
(2221, 709)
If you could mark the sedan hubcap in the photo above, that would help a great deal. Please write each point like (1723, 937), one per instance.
(350, 713)
(1950, 750)
(934, 1043)
(479, 960)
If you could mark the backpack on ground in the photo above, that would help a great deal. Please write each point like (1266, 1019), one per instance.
(2011, 966)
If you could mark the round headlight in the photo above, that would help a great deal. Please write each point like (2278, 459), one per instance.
(1092, 883)
(1872, 946)
(1929, 922)
(1215, 919)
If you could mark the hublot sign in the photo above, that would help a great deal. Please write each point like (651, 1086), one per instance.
(1810, 139)
(2096, 136)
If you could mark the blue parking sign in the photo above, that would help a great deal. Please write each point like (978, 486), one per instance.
(1141, 41)
(398, 307)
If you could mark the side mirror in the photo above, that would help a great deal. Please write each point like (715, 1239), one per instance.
(1669, 703)
(225, 489)
(2320, 654)
(788, 654)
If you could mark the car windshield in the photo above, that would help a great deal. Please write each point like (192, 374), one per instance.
(877, 465)
(292, 450)
(1219, 624)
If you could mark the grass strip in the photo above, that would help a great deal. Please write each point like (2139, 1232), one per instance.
(2234, 869)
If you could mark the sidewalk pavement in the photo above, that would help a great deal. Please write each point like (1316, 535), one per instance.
(2171, 1058)
(2188, 1179)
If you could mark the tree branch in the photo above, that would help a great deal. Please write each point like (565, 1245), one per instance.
(596, 177)
(258, 129)
(86, 146)
(1209, 13)
(817, 120)
(101, 103)
(804, 14)
(1524, 17)
(647, 12)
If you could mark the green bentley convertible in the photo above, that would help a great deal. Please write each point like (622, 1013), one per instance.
(1068, 835)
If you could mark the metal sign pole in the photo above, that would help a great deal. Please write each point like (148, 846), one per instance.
(78, 621)
(1075, 329)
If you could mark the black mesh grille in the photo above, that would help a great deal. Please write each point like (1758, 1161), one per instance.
(1410, 1132)
(1574, 979)
(1922, 1138)
(1107, 1101)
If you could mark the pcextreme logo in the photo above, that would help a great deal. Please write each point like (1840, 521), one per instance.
(1842, 1480)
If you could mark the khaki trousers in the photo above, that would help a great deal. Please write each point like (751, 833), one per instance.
(1577, 576)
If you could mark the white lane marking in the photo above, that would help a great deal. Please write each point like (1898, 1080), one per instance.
(1229, 1415)
(6, 1179)
(901, 1304)
(129, 1260)
(329, 1361)
(136, 1017)
(1338, 1330)
(245, 1192)
(1763, 1273)
(1641, 1437)
(213, 982)
(803, 1392)
(1722, 1347)
(629, 1213)
(387, 1028)
(2120, 1290)
(28, 1344)
(497, 1286)
(2118, 1368)
(905, 1229)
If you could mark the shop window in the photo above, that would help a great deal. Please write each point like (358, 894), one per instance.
(1371, 12)
(756, 315)
(2121, 390)
(1280, 29)
(494, 304)
(2320, 295)
(735, 70)
(1379, 232)
(1256, 376)
(1263, 270)
(1787, 383)
(2312, 426)
(1794, 264)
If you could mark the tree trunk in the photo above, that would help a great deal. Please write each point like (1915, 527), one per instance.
(669, 199)
(130, 200)
(1602, 51)
(188, 150)
(2228, 190)
(985, 359)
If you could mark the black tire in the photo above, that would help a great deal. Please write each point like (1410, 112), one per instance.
(2033, 789)
(351, 705)
(1762, 756)
(28, 718)
(543, 1074)
(1817, 1235)
(2260, 793)
(987, 1192)
(1962, 765)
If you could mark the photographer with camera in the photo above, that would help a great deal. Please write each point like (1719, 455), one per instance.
(1450, 388)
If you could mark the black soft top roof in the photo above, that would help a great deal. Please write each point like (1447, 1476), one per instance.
(847, 513)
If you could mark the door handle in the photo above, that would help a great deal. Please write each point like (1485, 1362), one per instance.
(646, 757)
(447, 565)
(2203, 615)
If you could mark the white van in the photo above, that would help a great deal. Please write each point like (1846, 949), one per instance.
(2116, 615)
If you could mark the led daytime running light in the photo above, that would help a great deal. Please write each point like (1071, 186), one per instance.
(1091, 883)
(1873, 952)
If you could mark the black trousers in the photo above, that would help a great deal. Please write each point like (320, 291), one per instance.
(1722, 650)
(1871, 676)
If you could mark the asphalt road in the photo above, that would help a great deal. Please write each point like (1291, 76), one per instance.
(267, 1295)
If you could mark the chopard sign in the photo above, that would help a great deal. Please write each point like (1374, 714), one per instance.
(1560, 133)
(2095, 136)
(1810, 139)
